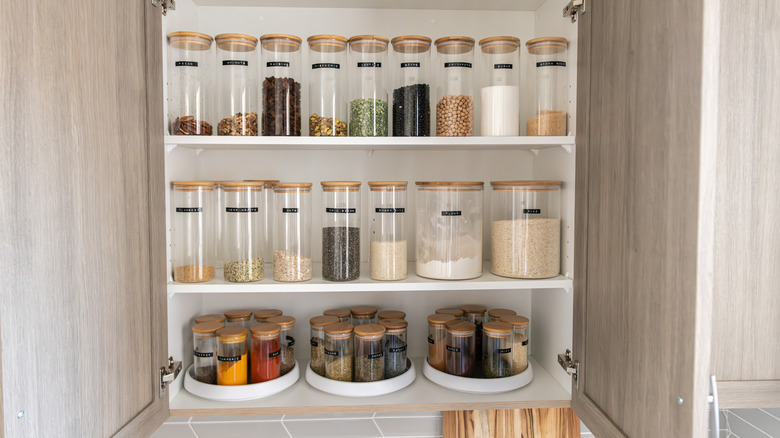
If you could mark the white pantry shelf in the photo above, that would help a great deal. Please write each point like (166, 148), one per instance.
(487, 281)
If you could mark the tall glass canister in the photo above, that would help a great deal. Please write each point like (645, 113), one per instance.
(500, 96)
(368, 116)
(236, 84)
(192, 231)
(327, 86)
(243, 238)
(268, 212)
(388, 251)
(548, 55)
(281, 97)
(341, 230)
(475, 314)
(412, 86)
(292, 235)
(219, 220)
(204, 337)
(455, 105)
(188, 83)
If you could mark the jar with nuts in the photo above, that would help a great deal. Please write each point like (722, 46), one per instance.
(327, 86)
(455, 105)
(236, 84)
(188, 83)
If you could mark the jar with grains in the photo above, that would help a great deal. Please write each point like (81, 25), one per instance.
(497, 314)
(238, 318)
(500, 94)
(341, 230)
(437, 340)
(317, 341)
(519, 342)
(267, 211)
(363, 315)
(497, 358)
(344, 315)
(262, 315)
(242, 236)
(265, 360)
(327, 86)
(526, 228)
(451, 311)
(388, 248)
(189, 67)
(391, 314)
(292, 235)
(236, 84)
(460, 348)
(475, 314)
(449, 230)
(339, 357)
(369, 353)
(287, 339)
(395, 346)
(192, 231)
(281, 95)
(204, 337)
(209, 317)
(232, 360)
(455, 106)
(548, 54)
(412, 86)
(368, 90)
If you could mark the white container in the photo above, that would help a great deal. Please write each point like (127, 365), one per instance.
(362, 389)
(478, 386)
(250, 391)
(500, 97)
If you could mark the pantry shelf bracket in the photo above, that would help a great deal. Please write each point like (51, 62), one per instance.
(170, 147)
(535, 151)
(567, 148)
(198, 151)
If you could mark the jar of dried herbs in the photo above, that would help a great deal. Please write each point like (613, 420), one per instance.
(363, 315)
(204, 338)
(287, 339)
(317, 341)
(339, 358)
(519, 342)
(265, 359)
(232, 360)
(497, 314)
(460, 348)
(342, 314)
(369, 353)
(242, 231)
(497, 358)
(395, 346)
(437, 340)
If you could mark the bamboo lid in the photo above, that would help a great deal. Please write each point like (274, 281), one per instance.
(391, 314)
(279, 42)
(323, 320)
(363, 310)
(546, 45)
(267, 183)
(283, 186)
(368, 43)
(497, 328)
(187, 186)
(207, 327)
(327, 43)
(236, 42)
(525, 183)
(454, 45)
(341, 313)
(498, 313)
(515, 320)
(210, 317)
(265, 328)
(232, 334)
(441, 318)
(411, 44)
(267, 313)
(282, 320)
(450, 311)
(461, 327)
(339, 328)
(369, 330)
(499, 45)
(473, 309)
(340, 186)
(236, 186)
(393, 324)
(451, 184)
(381, 186)
(186, 40)
(239, 313)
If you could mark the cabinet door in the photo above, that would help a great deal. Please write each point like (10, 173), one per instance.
(83, 314)
(640, 333)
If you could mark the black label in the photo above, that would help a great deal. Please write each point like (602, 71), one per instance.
(275, 353)
(199, 354)
(235, 62)
(289, 210)
(189, 210)
(551, 64)
(453, 349)
(277, 64)
(390, 210)
(457, 64)
(331, 353)
(241, 209)
(375, 355)
(290, 341)
(532, 211)
(431, 341)
(369, 64)
(525, 342)
(228, 358)
(186, 63)
(504, 350)
(340, 210)
(450, 213)
(325, 65)
(410, 64)
(503, 66)
(396, 349)
(314, 343)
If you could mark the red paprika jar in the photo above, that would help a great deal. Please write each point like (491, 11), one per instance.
(266, 357)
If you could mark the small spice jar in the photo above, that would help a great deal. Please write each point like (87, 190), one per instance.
(188, 77)
(339, 357)
(265, 359)
(208, 318)
(460, 348)
(368, 91)
(412, 93)
(327, 85)
(500, 96)
(238, 318)
(455, 107)
(236, 84)
(204, 339)
(192, 231)
(497, 314)
(317, 341)
(549, 56)
(232, 360)
(287, 339)
(526, 228)
(242, 237)
(363, 315)
(292, 235)
(267, 212)
(281, 101)
(344, 315)
(451, 311)
(369, 353)
(519, 342)
(390, 314)
(341, 230)
(475, 314)
(449, 230)
(497, 358)
(388, 258)
(262, 315)
(395, 346)
(437, 340)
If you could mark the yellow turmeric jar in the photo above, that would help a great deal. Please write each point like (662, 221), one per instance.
(232, 361)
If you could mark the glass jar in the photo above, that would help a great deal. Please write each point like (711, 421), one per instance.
(460, 348)
(267, 211)
(391, 314)
(209, 318)
(500, 97)
(395, 346)
(387, 256)
(498, 341)
(281, 101)
(238, 318)
(497, 314)
(265, 358)
(192, 231)
(368, 92)
(262, 315)
(341, 230)
(327, 86)
(204, 339)
(437, 340)
(339, 357)
(219, 221)
(188, 83)
(232, 360)
(242, 237)
(287, 339)
(449, 230)
(344, 315)
(519, 342)
(455, 104)
(474, 313)
(526, 228)
(549, 56)
(412, 91)
(236, 84)
(292, 232)
(317, 341)
(451, 311)
(363, 315)
(369, 353)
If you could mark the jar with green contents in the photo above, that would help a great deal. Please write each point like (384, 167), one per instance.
(497, 357)
(339, 357)
(368, 110)
(317, 341)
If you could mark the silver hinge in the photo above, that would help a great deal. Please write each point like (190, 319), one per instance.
(165, 5)
(572, 367)
(169, 374)
(574, 8)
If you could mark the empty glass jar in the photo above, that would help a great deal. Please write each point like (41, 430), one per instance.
(204, 337)
(192, 231)
(341, 230)
(339, 357)
(292, 235)
(267, 211)
(287, 339)
(236, 84)
(455, 105)
(460, 348)
(265, 357)
(363, 315)
(369, 353)
(243, 231)
(497, 356)
(317, 341)
(188, 79)
(327, 86)
(437, 340)
(388, 249)
(500, 96)
(281, 101)
(548, 54)
(395, 346)
(368, 114)
(232, 360)
(412, 86)
(519, 342)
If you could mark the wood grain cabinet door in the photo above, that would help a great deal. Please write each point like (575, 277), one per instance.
(83, 312)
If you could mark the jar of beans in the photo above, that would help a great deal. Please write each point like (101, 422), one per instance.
(412, 86)
(188, 79)
(368, 115)
(455, 105)
(281, 98)
(192, 231)
(327, 86)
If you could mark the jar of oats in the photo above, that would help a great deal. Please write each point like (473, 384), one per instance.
(292, 231)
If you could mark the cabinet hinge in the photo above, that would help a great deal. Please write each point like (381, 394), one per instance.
(165, 5)
(574, 8)
(168, 374)
(572, 367)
